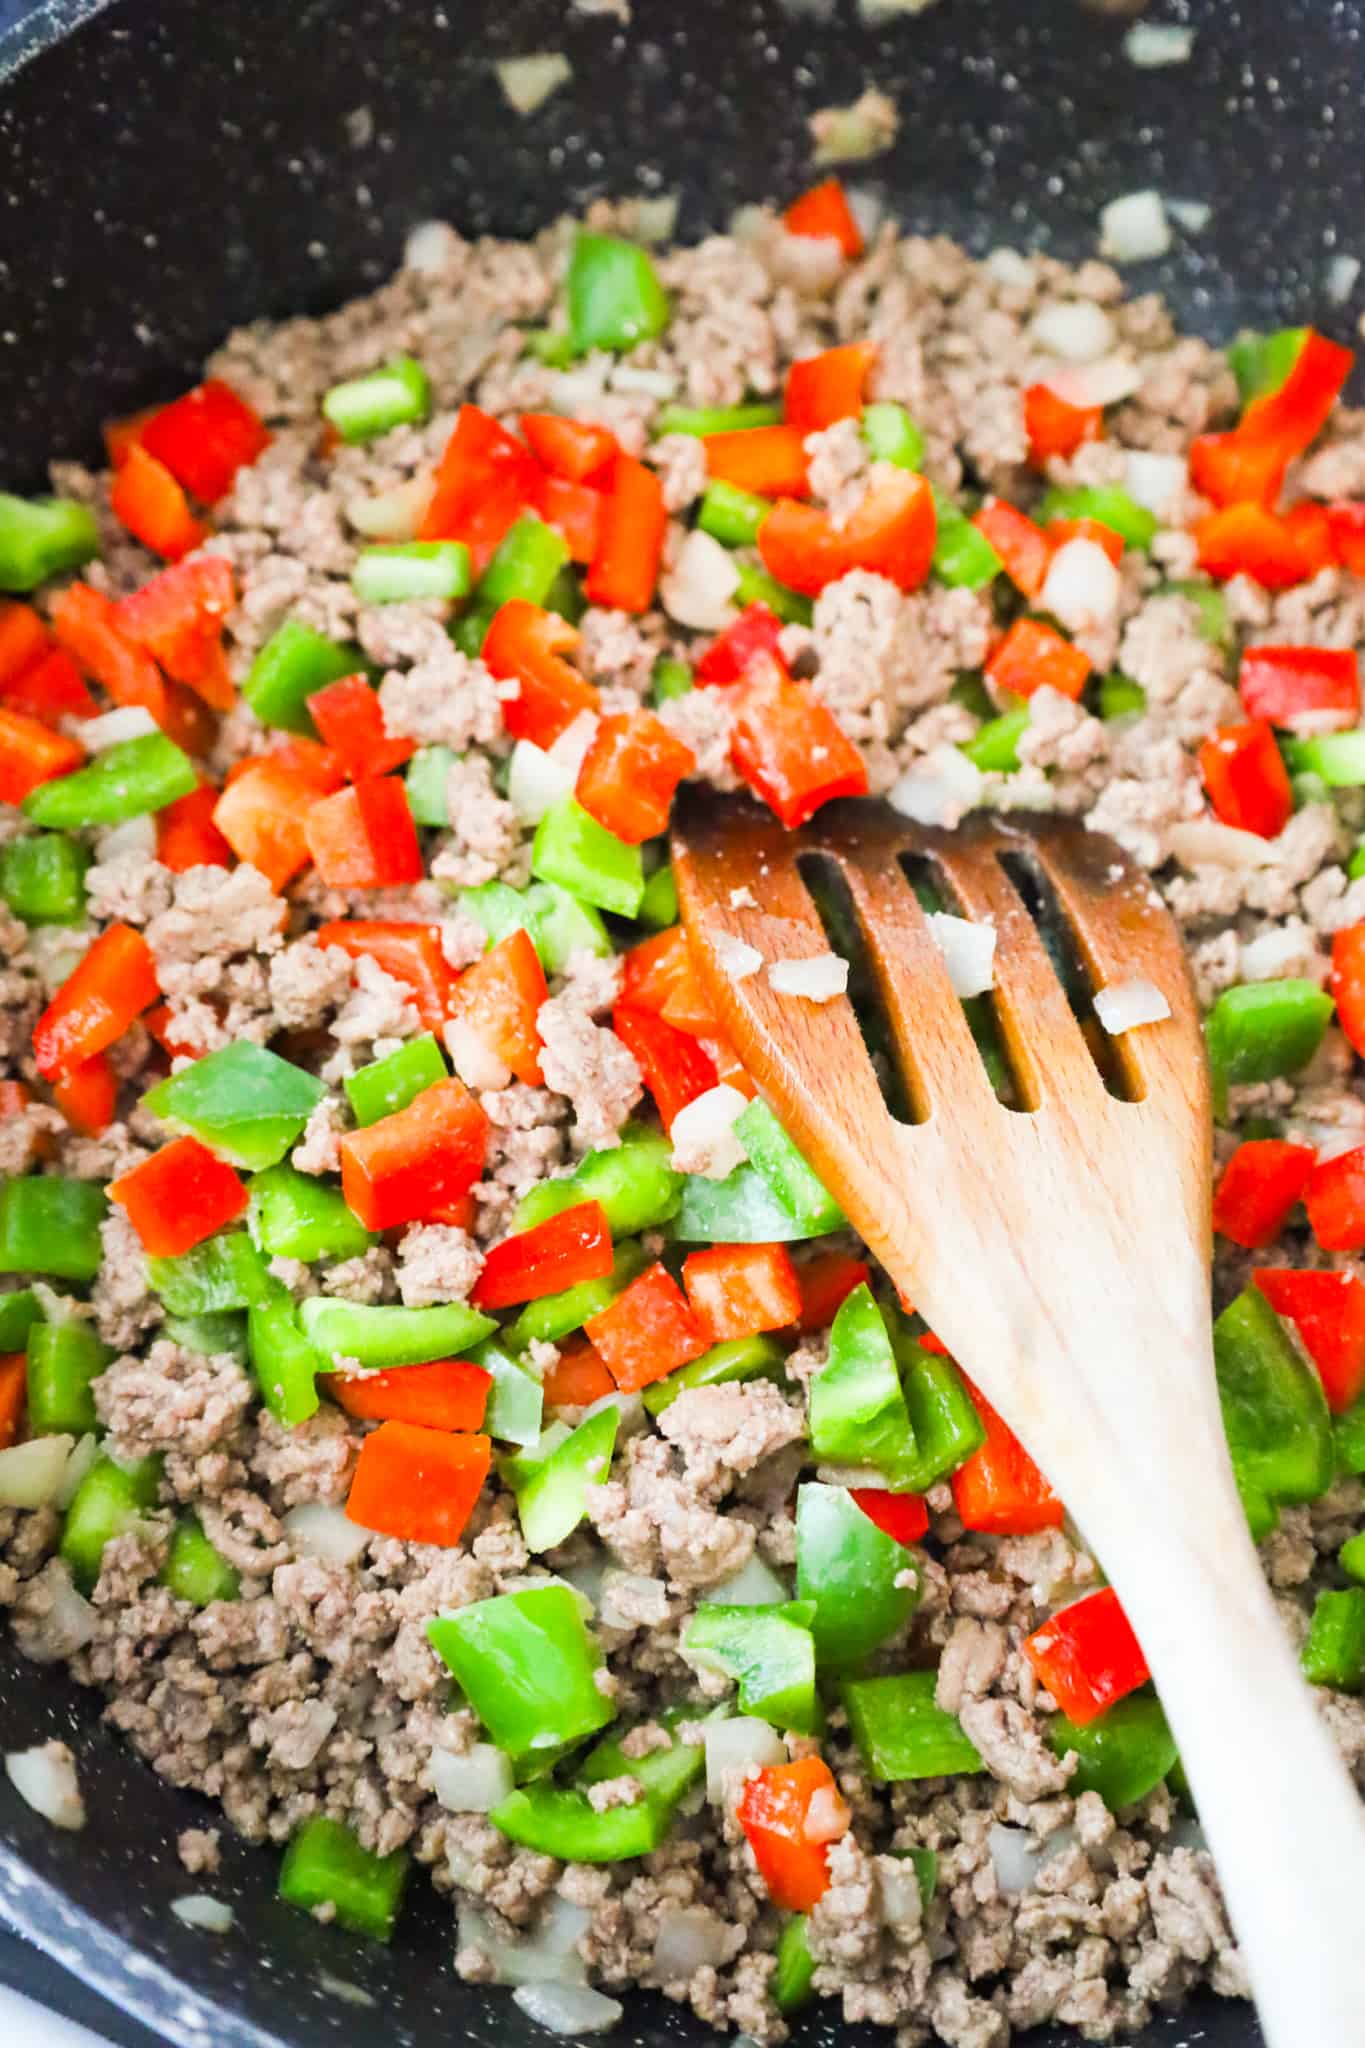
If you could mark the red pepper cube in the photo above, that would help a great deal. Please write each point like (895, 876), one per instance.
(577, 1378)
(755, 636)
(1297, 412)
(500, 999)
(573, 449)
(825, 1283)
(828, 387)
(51, 690)
(674, 1067)
(647, 1332)
(769, 462)
(87, 1096)
(1060, 531)
(576, 510)
(791, 750)
(1260, 1185)
(186, 836)
(1246, 779)
(1347, 982)
(1033, 656)
(660, 975)
(632, 522)
(485, 479)
(418, 1484)
(524, 644)
(1346, 524)
(204, 438)
(1283, 684)
(775, 1811)
(890, 533)
(414, 1166)
(1055, 427)
(1022, 546)
(348, 715)
(901, 1516)
(364, 837)
(738, 1290)
(1087, 1656)
(999, 1490)
(105, 993)
(630, 774)
(1335, 1200)
(178, 618)
(824, 214)
(1250, 540)
(1236, 468)
(411, 953)
(31, 753)
(565, 1249)
(1328, 1311)
(87, 624)
(24, 640)
(449, 1393)
(178, 1197)
(147, 500)
(263, 815)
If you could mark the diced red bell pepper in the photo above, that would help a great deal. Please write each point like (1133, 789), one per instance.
(729, 1067)
(412, 1166)
(1060, 531)
(1250, 540)
(1087, 1656)
(87, 1095)
(13, 1393)
(929, 1342)
(738, 1290)
(307, 760)
(769, 461)
(347, 713)
(828, 387)
(660, 974)
(1295, 415)
(1055, 427)
(263, 814)
(106, 990)
(147, 500)
(577, 1378)
(754, 636)
(32, 753)
(825, 1283)
(205, 437)
(411, 953)
(824, 214)
(565, 1249)
(87, 624)
(1033, 656)
(1261, 1183)
(791, 750)
(364, 837)
(169, 1033)
(485, 478)
(774, 1810)
(186, 836)
(417, 1484)
(574, 449)
(624, 570)
(1234, 468)
(500, 998)
(1335, 1201)
(24, 640)
(1282, 684)
(1246, 779)
(178, 617)
(525, 644)
(891, 533)
(676, 1069)
(1022, 546)
(178, 1197)
(1348, 982)
(51, 690)
(647, 1332)
(449, 1393)
(1346, 524)
(122, 434)
(576, 510)
(902, 1516)
(1328, 1311)
(999, 1490)
(630, 773)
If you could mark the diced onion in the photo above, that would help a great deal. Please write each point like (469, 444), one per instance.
(868, 208)
(570, 750)
(735, 1745)
(1154, 479)
(738, 960)
(1008, 266)
(755, 1584)
(1016, 1857)
(1126, 1004)
(660, 384)
(527, 82)
(898, 1883)
(1082, 587)
(568, 2008)
(547, 1955)
(1193, 215)
(536, 781)
(690, 1938)
(45, 1778)
(476, 1063)
(703, 1133)
(873, 11)
(586, 1580)
(197, 1909)
(430, 246)
(111, 728)
(1279, 951)
(827, 1816)
(939, 790)
(31, 1473)
(342, 1988)
(1077, 330)
(1106, 382)
(317, 1529)
(1152, 44)
(1134, 228)
(968, 950)
(134, 836)
(1204, 842)
(819, 979)
(1343, 274)
(698, 590)
(77, 1465)
(650, 1594)
(475, 1782)
(395, 514)
(67, 1626)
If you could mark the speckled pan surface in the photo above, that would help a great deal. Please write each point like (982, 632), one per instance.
(172, 169)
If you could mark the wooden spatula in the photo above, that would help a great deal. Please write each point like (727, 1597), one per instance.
(1060, 1248)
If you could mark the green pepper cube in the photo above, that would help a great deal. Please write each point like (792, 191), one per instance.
(392, 1083)
(671, 679)
(562, 926)
(401, 572)
(796, 1185)
(635, 1182)
(756, 586)
(732, 517)
(946, 1424)
(284, 1361)
(1123, 1756)
(42, 878)
(1334, 1653)
(768, 1651)
(552, 1492)
(926, 1871)
(890, 435)
(325, 1865)
(793, 1979)
(862, 1581)
(572, 849)
(63, 1360)
(527, 1666)
(295, 661)
(221, 1332)
(43, 537)
(994, 749)
(110, 1500)
(50, 1225)
(716, 419)
(565, 596)
(858, 1414)
(1351, 1557)
(614, 297)
(527, 560)
(963, 557)
(1261, 1030)
(297, 1216)
(1108, 503)
(556, 1316)
(516, 1402)
(127, 780)
(1275, 1414)
(560, 1820)
(19, 1311)
(738, 1358)
(1121, 697)
(243, 1101)
(194, 1570)
(1261, 362)
(398, 395)
(659, 904)
(428, 773)
(741, 1209)
(903, 1733)
(1337, 759)
(1213, 620)
(384, 1336)
(224, 1272)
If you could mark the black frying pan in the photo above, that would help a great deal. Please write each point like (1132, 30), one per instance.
(169, 170)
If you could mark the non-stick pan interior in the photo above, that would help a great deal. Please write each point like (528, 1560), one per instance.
(168, 170)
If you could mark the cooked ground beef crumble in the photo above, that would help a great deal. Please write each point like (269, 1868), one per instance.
(316, 1690)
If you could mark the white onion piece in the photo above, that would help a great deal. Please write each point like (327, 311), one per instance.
(135, 836)
(1009, 267)
(536, 781)
(395, 514)
(939, 790)
(570, 750)
(1283, 950)
(827, 1815)
(197, 1909)
(586, 1580)
(1106, 382)
(898, 1883)
(968, 951)
(872, 11)
(1126, 1004)
(547, 1955)
(1154, 479)
(737, 959)
(656, 219)
(1153, 44)
(430, 246)
(1134, 228)
(580, 391)
(473, 1783)
(317, 1529)
(867, 208)
(647, 1600)
(476, 1063)
(1343, 274)
(698, 590)
(83, 1456)
(1204, 842)
(31, 1473)
(629, 377)
(527, 82)
(690, 1938)
(733, 1746)
(1193, 215)
(755, 1584)
(819, 979)
(1082, 587)
(57, 951)
(342, 1988)
(111, 728)
(45, 1779)
(67, 1626)
(1017, 1861)
(703, 1133)
(1077, 330)
(568, 2008)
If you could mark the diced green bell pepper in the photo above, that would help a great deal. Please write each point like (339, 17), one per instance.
(849, 1568)
(1111, 505)
(560, 1820)
(890, 435)
(730, 515)
(384, 1336)
(19, 1311)
(43, 537)
(943, 1415)
(110, 1500)
(716, 419)
(1275, 1414)
(392, 1083)
(564, 926)
(551, 346)
(634, 1182)
(994, 748)
(926, 1871)
(793, 1980)
(516, 1402)
(527, 1666)
(295, 1215)
(395, 396)
(556, 1316)
(63, 1359)
(796, 1185)
(1334, 1653)
(401, 571)
(426, 777)
(1120, 696)
(284, 1361)
(572, 849)
(1214, 620)
(613, 295)
(295, 661)
(1351, 1558)
(325, 1865)
(243, 1101)
(741, 1209)
(963, 557)
(768, 1651)
(50, 1225)
(671, 679)
(756, 586)
(565, 596)
(1261, 362)
(194, 1570)
(1261, 1030)
(858, 1414)
(1123, 1756)
(223, 1272)
(902, 1733)
(42, 878)
(470, 630)
(126, 781)
(552, 1492)
(528, 558)
(1337, 758)
(659, 904)
(223, 1332)
(739, 1358)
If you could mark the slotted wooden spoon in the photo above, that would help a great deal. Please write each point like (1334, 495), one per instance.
(1061, 1251)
